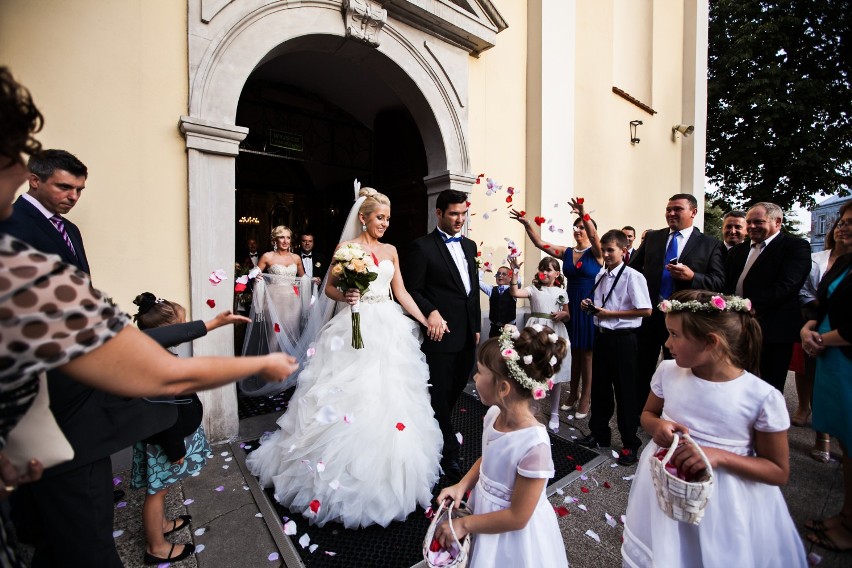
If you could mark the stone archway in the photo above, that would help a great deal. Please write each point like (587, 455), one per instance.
(228, 39)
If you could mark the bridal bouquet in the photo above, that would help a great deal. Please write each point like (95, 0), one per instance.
(352, 271)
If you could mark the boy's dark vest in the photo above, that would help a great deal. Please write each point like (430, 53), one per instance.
(503, 306)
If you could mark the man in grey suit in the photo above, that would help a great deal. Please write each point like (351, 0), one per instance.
(678, 257)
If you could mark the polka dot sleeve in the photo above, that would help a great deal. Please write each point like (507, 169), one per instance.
(49, 312)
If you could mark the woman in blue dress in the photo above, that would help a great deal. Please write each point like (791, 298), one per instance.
(580, 265)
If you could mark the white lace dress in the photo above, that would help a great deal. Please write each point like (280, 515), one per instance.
(505, 455)
(359, 439)
(746, 523)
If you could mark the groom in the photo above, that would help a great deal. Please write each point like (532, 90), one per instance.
(441, 275)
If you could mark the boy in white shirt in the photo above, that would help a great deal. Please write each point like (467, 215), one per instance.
(619, 301)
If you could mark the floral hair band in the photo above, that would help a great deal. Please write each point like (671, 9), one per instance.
(714, 304)
(511, 356)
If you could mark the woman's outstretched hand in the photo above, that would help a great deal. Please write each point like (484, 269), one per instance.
(577, 206)
(277, 367)
(517, 216)
(225, 318)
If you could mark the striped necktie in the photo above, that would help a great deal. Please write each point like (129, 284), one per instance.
(60, 226)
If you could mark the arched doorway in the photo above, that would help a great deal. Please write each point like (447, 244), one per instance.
(308, 140)
(418, 54)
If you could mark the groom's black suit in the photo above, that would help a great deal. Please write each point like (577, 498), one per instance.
(68, 514)
(434, 282)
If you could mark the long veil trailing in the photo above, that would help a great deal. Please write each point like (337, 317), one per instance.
(261, 334)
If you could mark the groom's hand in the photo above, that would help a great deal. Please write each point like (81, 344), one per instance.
(436, 326)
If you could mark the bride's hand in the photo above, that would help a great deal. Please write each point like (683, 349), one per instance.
(352, 296)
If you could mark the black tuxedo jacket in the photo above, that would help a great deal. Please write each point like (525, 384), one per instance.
(96, 424)
(29, 225)
(838, 307)
(701, 253)
(434, 282)
(316, 257)
(773, 284)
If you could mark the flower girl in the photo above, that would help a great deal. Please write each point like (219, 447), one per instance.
(548, 307)
(741, 424)
(512, 522)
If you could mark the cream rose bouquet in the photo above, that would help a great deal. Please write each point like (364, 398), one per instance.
(352, 271)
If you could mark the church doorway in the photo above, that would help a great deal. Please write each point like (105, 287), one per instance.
(315, 124)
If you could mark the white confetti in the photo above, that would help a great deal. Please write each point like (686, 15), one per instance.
(304, 540)
(326, 415)
(292, 447)
(573, 437)
(613, 465)
(258, 515)
(330, 553)
(199, 532)
(320, 466)
(348, 418)
(623, 519)
(199, 548)
(223, 454)
(311, 350)
(116, 534)
(610, 520)
(334, 484)
(313, 548)
(188, 501)
(229, 459)
(560, 492)
(614, 454)
(596, 481)
(245, 487)
(583, 507)
(460, 438)
(290, 528)
(593, 535)
(225, 466)
(628, 478)
(272, 557)
(584, 477)
(814, 558)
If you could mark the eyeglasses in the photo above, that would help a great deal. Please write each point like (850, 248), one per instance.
(843, 224)
(502, 274)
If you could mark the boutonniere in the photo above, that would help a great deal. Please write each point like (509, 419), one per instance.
(317, 264)
(560, 301)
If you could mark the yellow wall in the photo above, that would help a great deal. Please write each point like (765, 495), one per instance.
(497, 126)
(627, 184)
(111, 80)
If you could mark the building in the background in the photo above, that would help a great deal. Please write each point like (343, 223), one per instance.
(206, 122)
(823, 216)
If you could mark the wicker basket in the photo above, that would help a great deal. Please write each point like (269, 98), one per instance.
(683, 501)
(460, 558)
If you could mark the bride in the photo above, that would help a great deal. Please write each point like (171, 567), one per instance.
(359, 443)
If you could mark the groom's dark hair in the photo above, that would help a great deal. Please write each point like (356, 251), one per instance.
(448, 197)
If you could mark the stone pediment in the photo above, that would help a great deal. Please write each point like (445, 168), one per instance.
(470, 24)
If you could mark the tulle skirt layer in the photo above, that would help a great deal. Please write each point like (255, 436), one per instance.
(359, 443)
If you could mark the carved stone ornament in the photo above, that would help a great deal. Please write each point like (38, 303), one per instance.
(364, 20)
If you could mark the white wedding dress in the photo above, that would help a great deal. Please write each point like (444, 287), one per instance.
(359, 439)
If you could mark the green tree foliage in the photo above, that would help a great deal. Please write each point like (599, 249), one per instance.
(779, 124)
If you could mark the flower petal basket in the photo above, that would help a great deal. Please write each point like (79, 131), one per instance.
(436, 557)
(681, 500)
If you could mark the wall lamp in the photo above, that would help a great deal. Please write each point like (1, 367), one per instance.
(633, 124)
(685, 130)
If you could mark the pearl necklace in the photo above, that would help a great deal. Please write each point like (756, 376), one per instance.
(579, 250)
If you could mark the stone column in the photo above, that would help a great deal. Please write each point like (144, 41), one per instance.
(436, 183)
(211, 148)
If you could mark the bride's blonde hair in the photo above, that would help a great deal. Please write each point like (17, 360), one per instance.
(277, 232)
(372, 201)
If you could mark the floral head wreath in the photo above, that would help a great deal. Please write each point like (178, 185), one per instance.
(511, 356)
(714, 304)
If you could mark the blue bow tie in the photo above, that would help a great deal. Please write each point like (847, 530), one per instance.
(452, 239)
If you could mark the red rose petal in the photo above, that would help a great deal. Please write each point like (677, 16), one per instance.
(477, 180)
(580, 200)
(607, 484)
(277, 328)
(479, 253)
(480, 176)
(587, 217)
(400, 426)
(541, 275)
(467, 203)
(435, 546)
(539, 220)
(584, 489)
(522, 214)
(239, 288)
(579, 468)
(295, 289)
(569, 458)
(211, 302)
(375, 260)
(545, 246)
(561, 510)
(579, 263)
(509, 199)
(314, 506)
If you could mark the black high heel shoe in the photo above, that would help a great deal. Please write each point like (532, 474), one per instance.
(188, 549)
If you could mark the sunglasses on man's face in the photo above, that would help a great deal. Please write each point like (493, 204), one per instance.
(502, 274)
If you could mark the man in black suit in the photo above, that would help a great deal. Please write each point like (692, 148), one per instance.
(770, 271)
(441, 275)
(314, 262)
(692, 261)
(68, 514)
(252, 254)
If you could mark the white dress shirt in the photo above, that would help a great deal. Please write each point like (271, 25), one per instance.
(631, 293)
(457, 253)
